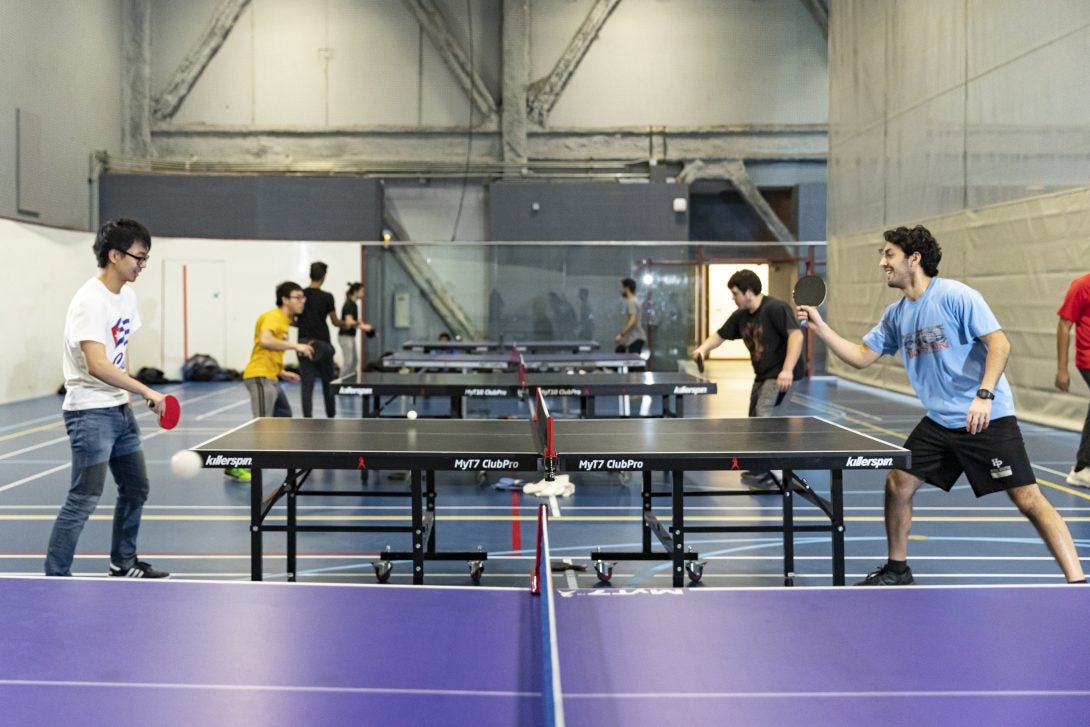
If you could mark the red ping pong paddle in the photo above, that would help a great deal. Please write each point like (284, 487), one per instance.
(172, 412)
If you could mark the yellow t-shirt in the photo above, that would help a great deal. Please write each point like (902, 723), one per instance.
(265, 362)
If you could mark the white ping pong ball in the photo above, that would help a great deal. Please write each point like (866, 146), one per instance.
(411, 414)
(185, 463)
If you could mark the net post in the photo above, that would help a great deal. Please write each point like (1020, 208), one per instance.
(548, 453)
(535, 574)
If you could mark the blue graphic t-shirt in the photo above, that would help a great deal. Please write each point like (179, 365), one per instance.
(939, 337)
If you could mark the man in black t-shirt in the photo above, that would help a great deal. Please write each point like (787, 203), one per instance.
(772, 334)
(314, 330)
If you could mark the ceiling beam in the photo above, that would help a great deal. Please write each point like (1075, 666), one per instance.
(734, 171)
(437, 28)
(819, 11)
(516, 75)
(136, 74)
(545, 92)
(185, 76)
(368, 147)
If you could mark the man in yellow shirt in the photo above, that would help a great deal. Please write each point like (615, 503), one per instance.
(263, 373)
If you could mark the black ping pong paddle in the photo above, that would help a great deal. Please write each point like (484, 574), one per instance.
(809, 290)
(700, 362)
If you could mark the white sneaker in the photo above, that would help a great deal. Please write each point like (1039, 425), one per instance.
(535, 488)
(560, 486)
(1080, 478)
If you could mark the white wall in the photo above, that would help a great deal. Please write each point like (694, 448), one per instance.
(252, 270)
(335, 63)
(347, 62)
(56, 263)
(60, 60)
(63, 260)
(939, 106)
(687, 63)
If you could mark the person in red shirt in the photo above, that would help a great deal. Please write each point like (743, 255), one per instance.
(1075, 312)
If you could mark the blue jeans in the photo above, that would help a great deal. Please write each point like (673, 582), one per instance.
(100, 438)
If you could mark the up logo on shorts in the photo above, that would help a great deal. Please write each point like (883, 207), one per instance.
(1000, 470)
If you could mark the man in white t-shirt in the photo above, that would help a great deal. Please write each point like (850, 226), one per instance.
(98, 415)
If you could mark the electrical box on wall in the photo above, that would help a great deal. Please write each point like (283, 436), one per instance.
(402, 310)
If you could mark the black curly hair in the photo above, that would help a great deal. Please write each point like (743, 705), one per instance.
(918, 239)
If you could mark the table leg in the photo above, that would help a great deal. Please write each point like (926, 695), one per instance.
(836, 493)
(418, 528)
(678, 507)
(788, 530)
(292, 533)
(255, 524)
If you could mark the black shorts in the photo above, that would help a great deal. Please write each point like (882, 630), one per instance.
(993, 460)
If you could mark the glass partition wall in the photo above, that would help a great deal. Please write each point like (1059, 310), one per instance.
(560, 291)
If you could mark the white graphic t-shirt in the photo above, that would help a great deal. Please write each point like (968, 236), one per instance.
(96, 314)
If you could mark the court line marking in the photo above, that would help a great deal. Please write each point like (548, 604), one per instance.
(26, 517)
(31, 448)
(60, 422)
(468, 518)
(832, 695)
(33, 430)
(471, 510)
(263, 688)
(222, 409)
(29, 422)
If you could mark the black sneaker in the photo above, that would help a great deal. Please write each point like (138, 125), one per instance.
(139, 569)
(885, 577)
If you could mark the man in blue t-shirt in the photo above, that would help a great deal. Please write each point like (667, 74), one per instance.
(954, 352)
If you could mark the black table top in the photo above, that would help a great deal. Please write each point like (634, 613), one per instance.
(511, 444)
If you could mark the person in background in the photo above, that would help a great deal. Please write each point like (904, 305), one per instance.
(773, 337)
(265, 370)
(314, 330)
(1075, 312)
(351, 323)
(98, 416)
(631, 338)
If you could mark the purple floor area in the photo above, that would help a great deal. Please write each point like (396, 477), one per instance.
(185, 653)
(97, 652)
(906, 656)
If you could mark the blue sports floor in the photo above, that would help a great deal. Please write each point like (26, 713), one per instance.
(198, 528)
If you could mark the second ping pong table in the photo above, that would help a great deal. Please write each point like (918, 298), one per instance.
(554, 445)
(671, 388)
(522, 346)
(507, 361)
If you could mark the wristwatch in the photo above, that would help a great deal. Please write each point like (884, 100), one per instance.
(984, 394)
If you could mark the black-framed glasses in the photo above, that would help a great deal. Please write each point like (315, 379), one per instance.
(140, 259)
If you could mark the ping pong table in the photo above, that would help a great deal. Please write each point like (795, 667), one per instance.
(191, 652)
(522, 346)
(554, 445)
(506, 361)
(671, 388)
